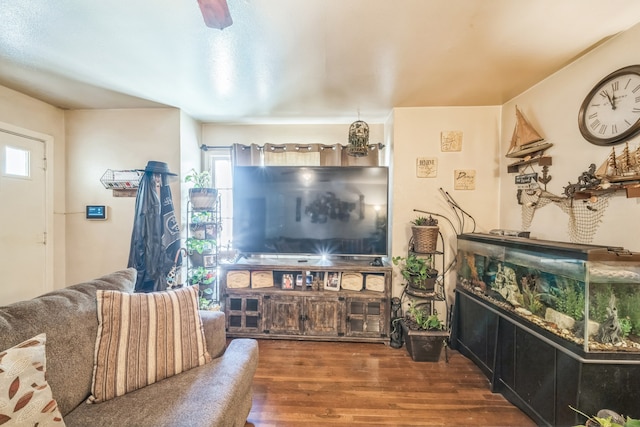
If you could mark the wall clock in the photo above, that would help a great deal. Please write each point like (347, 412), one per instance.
(610, 113)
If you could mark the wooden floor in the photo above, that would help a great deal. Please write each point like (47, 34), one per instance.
(303, 383)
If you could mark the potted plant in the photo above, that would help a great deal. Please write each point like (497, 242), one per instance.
(417, 271)
(205, 279)
(424, 334)
(201, 196)
(197, 248)
(424, 232)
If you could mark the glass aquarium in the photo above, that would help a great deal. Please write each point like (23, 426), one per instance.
(584, 294)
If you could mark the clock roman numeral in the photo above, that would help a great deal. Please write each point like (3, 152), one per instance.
(637, 99)
(636, 110)
(635, 89)
(603, 129)
(594, 125)
(614, 129)
(627, 85)
(594, 115)
(615, 85)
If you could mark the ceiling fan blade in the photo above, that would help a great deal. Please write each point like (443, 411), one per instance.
(215, 13)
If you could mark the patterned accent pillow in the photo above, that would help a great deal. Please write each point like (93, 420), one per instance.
(144, 338)
(25, 395)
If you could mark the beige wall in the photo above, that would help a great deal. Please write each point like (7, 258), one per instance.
(552, 107)
(216, 134)
(190, 157)
(417, 134)
(98, 140)
(31, 114)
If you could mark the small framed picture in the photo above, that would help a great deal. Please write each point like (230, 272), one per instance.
(332, 281)
(309, 279)
(209, 260)
(287, 281)
(299, 280)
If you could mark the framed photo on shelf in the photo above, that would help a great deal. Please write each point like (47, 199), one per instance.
(332, 281)
(299, 279)
(287, 281)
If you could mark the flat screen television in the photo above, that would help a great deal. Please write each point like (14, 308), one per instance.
(320, 210)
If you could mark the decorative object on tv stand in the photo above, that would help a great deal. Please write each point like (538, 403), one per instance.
(424, 234)
(201, 196)
(358, 139)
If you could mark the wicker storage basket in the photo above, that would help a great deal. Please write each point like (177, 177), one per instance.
(425, 238)
(203, 198)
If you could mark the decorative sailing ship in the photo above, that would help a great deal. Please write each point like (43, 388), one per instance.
(525, 141)
(625, 167)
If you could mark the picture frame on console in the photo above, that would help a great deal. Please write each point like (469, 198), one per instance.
(332, 281)
(287, 281)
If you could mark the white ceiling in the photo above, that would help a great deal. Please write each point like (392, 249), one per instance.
(295, 60)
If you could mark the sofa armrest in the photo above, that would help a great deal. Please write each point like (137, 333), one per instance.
(215, 333)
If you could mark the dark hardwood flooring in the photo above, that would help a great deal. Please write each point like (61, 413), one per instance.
(305, 383)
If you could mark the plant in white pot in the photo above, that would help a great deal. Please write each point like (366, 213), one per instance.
(201, 196)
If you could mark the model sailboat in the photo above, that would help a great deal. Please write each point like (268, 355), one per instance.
(625, 167)
(525, 140)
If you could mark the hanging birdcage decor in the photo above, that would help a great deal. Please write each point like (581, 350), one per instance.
(358, 139)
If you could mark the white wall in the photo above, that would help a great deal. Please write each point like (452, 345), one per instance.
(34, 115)
(98, 140)
(417, 134)
(216, 134)
(552, 107)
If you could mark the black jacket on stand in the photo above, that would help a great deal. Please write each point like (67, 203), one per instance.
(155, 239)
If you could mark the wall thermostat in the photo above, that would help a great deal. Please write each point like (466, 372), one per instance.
(96, 212)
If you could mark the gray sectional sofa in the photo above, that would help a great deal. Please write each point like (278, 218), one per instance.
(216, 394)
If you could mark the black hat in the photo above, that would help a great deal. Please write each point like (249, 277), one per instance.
(157, 167)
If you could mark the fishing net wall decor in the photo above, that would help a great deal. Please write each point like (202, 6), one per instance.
(584, 215)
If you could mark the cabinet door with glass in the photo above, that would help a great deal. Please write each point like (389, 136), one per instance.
(366, 317)
(244, 313)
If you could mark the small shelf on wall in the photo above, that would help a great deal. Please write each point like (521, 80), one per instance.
(540, 160)
(632, 190)
(124, 183)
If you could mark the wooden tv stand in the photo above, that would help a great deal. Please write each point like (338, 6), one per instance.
(256, 305)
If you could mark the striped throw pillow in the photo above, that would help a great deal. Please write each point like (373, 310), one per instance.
(144, 338)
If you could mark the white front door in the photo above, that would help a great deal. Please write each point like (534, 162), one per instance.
(22, 217)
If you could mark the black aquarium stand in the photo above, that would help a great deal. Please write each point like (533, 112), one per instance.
(538, 372)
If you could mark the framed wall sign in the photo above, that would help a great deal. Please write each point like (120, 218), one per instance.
(464, 179)
(427, 167)
(451, 140)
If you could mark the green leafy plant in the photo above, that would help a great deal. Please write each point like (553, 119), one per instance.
(413, 267)
(198, 217)
(625, 326)
(425, 221)
(199, 179)
(531, 300)
(425, 320)
(199, 245)
(201, 275)
(607, 418)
